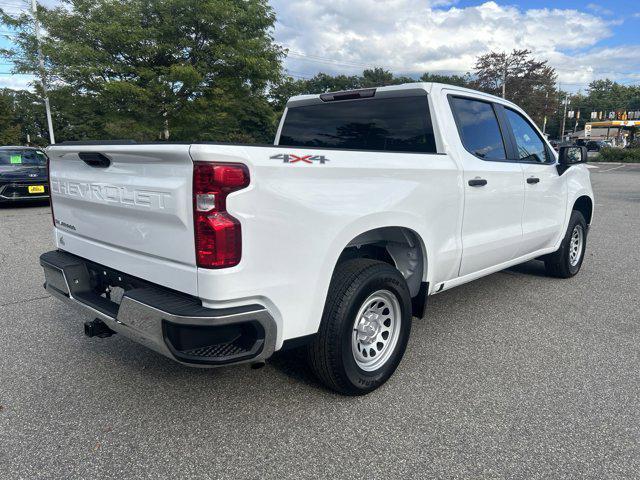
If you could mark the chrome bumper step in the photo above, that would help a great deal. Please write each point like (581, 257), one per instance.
(173, 324)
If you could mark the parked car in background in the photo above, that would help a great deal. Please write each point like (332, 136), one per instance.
(23, 174)
(597, 145)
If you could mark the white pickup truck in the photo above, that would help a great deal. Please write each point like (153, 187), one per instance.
(330, 240)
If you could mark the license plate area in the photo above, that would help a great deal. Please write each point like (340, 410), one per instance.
(111, 284)
(35, 189)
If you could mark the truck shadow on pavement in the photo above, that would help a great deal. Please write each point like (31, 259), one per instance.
(109, 356)
(533, 267)
(293, 364)
(284, 369)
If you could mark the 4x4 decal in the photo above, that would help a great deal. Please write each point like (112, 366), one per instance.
(291, 158)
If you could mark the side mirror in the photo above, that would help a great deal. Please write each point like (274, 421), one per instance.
(572, 156)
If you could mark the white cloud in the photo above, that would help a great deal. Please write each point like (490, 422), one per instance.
(414, 36)
(597, 8)
(407, 36)
(18, 82)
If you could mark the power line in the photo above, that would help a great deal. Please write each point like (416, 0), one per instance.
(317, 59)
(320, 59)
(297, 75)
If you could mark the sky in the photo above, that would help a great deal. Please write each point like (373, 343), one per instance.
(583, 40)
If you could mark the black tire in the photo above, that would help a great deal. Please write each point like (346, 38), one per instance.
(330, 354)
(558, 264)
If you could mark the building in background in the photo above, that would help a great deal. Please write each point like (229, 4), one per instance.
(620, 132)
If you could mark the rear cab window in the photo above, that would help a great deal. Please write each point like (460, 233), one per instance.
(395, 124)
(478, 127)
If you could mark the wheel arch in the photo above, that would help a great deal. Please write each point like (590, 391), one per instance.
(399, 246)
(584, 204)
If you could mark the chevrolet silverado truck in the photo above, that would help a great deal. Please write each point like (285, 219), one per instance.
(329, 240)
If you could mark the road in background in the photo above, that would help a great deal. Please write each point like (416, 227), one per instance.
(515, 375)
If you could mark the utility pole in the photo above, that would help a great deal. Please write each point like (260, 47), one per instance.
(564, 116)
(504, 77)
(546, 105)
(43, 82)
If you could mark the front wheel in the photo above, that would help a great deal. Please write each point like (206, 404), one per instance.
(364, 329)
(566, 262)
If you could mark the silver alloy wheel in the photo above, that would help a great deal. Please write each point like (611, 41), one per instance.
(376, 330)
(576, 245)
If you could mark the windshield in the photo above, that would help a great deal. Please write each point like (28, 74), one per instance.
(23, 157)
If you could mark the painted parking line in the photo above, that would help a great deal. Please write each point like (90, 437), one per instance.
(611, 169)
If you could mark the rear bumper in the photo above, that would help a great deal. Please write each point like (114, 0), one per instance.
(19, 191)
(173, 324)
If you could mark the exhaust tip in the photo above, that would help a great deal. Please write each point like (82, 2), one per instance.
(97, 328)
(257, 365)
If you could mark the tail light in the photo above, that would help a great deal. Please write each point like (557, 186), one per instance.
(218, 236)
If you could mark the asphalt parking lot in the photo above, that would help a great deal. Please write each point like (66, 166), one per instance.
(513, 376)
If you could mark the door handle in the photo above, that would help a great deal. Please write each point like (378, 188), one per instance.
(533, 180)
(477, 182)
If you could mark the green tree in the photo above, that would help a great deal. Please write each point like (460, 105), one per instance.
(528, 82)
(607, 95)
(323, 82)
(157, 69)
(9, 129)
(604, 96)
(379, 77)
(460, 81)
(286, 88)
(75, 116)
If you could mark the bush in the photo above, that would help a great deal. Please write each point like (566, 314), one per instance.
(621, 155)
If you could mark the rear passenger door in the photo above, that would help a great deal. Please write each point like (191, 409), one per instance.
(545, 189)
(494, 186)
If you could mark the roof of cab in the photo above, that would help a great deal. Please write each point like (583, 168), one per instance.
(391, 90)
(397, 90)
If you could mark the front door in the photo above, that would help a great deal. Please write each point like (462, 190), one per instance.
(494, 188)
(545, 189)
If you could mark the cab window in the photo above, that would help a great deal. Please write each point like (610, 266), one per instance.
(479, 128)
(531, 147)
(400, 124)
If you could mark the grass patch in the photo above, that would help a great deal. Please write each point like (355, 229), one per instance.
(618, 155)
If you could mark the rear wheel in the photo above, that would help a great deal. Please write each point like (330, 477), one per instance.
(364, 329)
(566, 262)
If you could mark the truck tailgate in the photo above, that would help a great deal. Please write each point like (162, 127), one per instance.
(134, 214)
